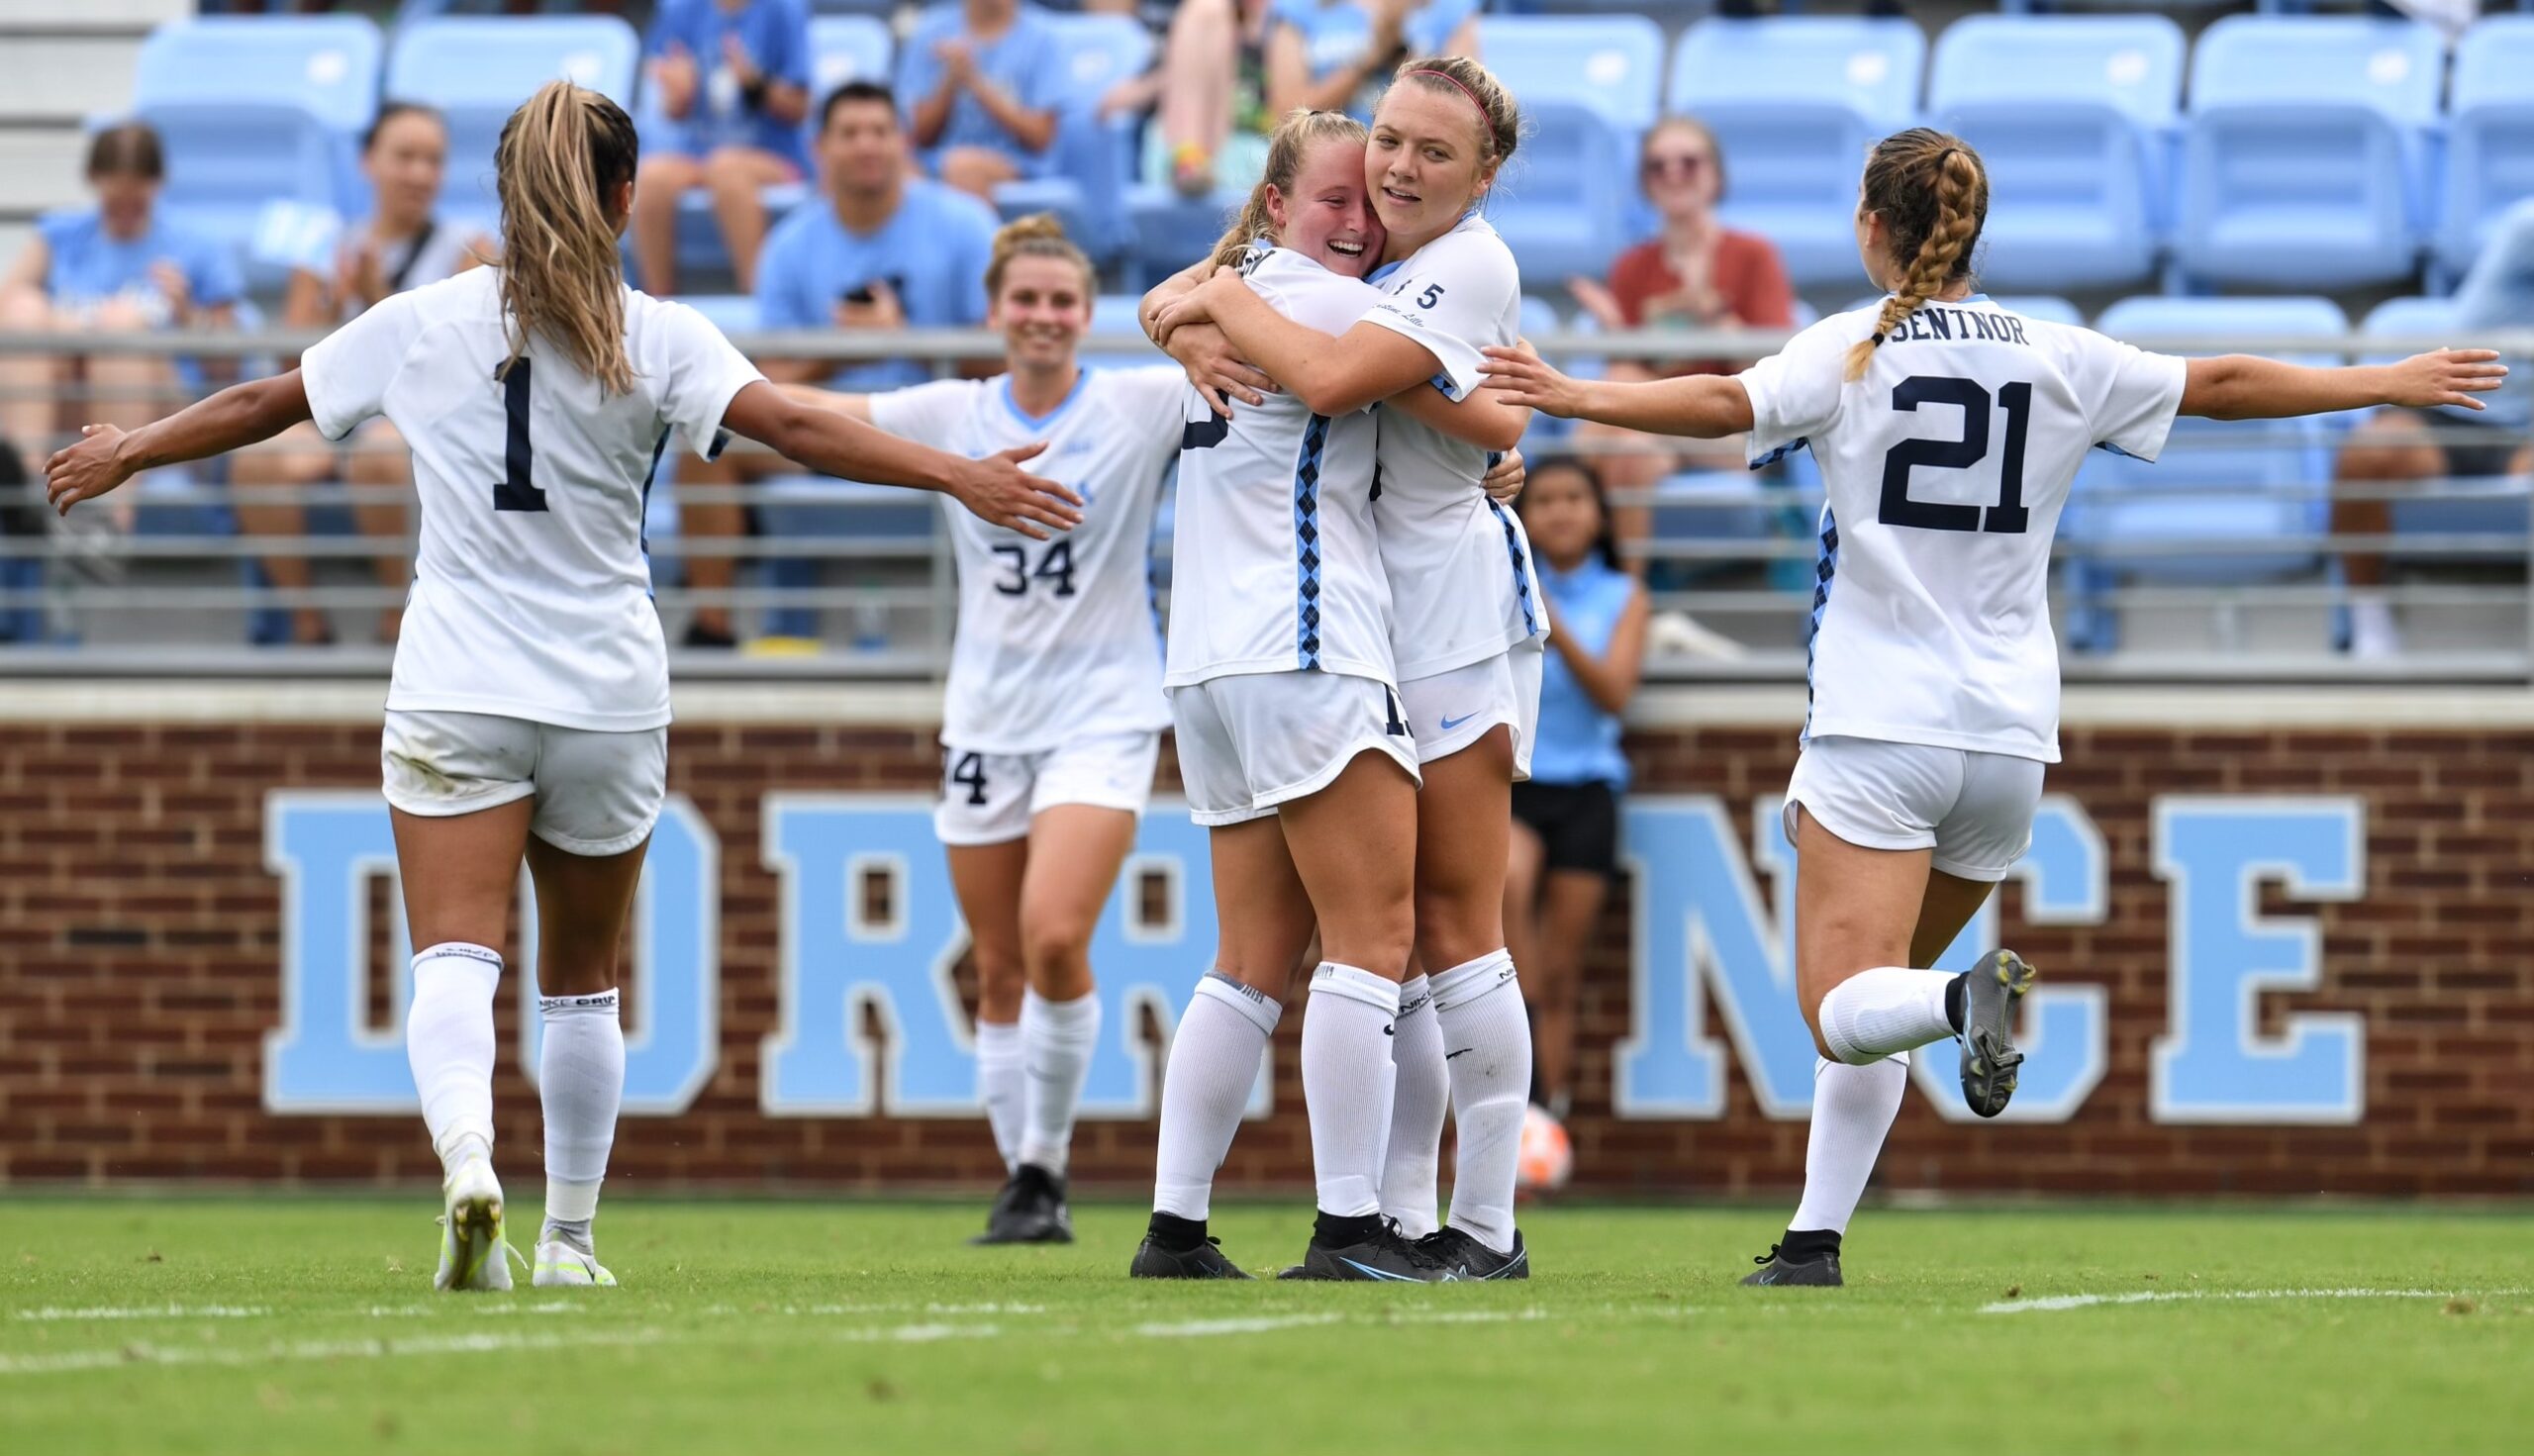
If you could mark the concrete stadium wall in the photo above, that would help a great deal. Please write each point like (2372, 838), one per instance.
(2287, 936)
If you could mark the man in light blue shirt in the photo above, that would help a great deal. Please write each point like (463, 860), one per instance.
(877, 252)
(983, 81)
(2398, 445)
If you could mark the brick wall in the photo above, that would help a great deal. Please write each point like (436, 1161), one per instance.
(140, 940)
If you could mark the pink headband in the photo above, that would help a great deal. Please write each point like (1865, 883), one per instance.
(1448, 79)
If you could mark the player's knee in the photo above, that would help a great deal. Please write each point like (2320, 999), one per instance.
(1055, 947)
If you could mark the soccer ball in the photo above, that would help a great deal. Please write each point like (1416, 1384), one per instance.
(1547, 1157)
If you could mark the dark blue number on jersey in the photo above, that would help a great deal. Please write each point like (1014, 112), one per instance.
(516, 493)
(970, 771)
(1055, 566)
(1206, 434)
(2009, 517)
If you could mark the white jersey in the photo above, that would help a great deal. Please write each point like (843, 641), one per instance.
(1057, 639)
(532, 589)
(1461, 581)
(1273, 563)
(1947, 466)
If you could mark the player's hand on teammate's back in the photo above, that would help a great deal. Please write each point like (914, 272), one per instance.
(1527, 379)
(1504, 480)
(996, 489)
(1217, 370)
(2449, 376)
(86, 470)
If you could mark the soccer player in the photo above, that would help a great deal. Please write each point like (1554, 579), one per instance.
(528, 713)
(1948, 429)
(1052, 716)
(1467, 627)
(1292, 739)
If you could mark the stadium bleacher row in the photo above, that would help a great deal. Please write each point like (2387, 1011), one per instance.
(2305, 152)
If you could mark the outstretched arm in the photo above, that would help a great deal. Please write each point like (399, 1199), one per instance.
(2249, 387)
(236, 417)
(995, 489)
(851, 406)
(1703, 406)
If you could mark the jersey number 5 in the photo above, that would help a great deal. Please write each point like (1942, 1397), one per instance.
(514, 493)
(2007, 517)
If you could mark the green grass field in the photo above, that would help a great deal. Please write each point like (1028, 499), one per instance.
(304, 1324)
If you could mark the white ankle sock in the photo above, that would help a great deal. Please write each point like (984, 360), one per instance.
(1347, 1083)
(1058, 1038)
(1852, 1109)
(1000, 1085)
(580, 1079)
(1204, 1088)
(448, 1041)
(1486, 1040)
(1421, 1090)
(1874, 1014)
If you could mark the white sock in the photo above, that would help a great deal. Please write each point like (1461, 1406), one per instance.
(580, 1079)
(1347, 1082)
(1874, 1014)
(1204, 1088)
(1058, 1038)
(1852, 1109)
(448, 1041)
(1000, 1085)
(1421, 1090)
(1486, 1040)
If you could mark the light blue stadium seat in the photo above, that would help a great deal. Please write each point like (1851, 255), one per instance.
(2071, 116)
(2304, 160)
(2489, 506)
(1794, 103)
(255, 111)
(479, 70)
(847, 48)
(2209, 455)
(1611, 63)
(1560, 202)
(2045, 307)
(2489, 141)
(732, 313)
(1092, 158)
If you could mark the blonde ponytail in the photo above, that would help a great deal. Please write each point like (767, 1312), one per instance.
(561, 156)
(1933, 195)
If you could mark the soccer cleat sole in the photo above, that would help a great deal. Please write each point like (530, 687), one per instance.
(1990, 1059)
(475, 1232)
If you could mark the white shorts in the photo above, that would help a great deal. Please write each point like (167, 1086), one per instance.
(1254, 740)
(597, 793)
(1451, 710)
(1973, 809)
(990, 798)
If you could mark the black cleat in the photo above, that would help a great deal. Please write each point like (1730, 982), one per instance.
(1380, 1254)
(1470, 1259)
(1988, 1056)
(1818, 1272)
(1030, 1209)
(1156, 1260)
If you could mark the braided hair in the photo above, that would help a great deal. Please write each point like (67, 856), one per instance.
(1933, 194)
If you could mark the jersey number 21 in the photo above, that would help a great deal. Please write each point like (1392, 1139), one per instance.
(2008, 516)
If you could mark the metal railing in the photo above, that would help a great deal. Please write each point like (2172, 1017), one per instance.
(166, 583)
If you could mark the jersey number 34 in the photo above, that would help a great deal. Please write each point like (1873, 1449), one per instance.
(2009, 515)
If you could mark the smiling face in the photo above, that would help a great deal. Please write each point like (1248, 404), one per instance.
(1427, 163)
(860, 150)
(1562, 514)
(405, 163)
(1327, 217)
(1043, 309)
(1678, 172)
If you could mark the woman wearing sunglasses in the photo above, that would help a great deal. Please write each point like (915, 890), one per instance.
(1695, 274)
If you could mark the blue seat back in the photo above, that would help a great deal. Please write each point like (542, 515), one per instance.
(324, 64)
(2202, 457)
(1100, 52)
(1795, 105)
(2130, 62)
(847, 48)
(1613, 64)
(479, 70)
(2490, 156)
(2393, 67)
(1560, 200)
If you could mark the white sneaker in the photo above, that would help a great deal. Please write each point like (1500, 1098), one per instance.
(561, 1266)
(2372, 637)
(1679, 635)
(472, 1252)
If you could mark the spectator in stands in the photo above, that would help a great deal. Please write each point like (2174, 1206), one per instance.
(881, 250)
(735, 76)
(981, 80)
(2397, 446)
(401, 244)
(1695, 274)
(116, 266)
(1566, 819)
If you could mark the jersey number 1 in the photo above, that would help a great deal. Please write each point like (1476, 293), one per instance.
(514, 493)
(2007, 517)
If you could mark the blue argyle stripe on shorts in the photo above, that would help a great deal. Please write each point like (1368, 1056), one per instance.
(1306, 543)
(1521, 577)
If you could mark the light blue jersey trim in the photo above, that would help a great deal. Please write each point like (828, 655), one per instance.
(1082, 381)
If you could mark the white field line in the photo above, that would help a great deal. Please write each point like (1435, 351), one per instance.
(50, 1314)
(2159, 1296)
